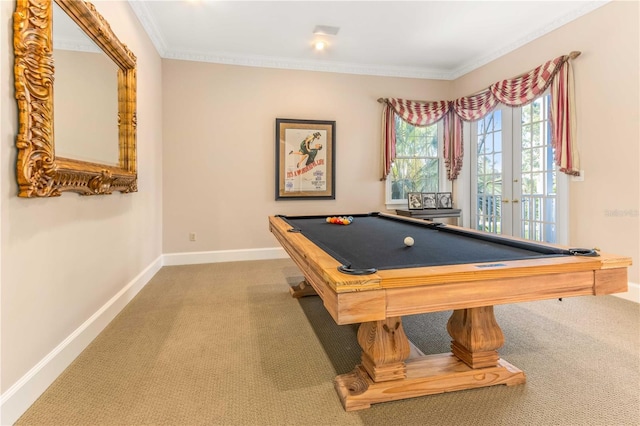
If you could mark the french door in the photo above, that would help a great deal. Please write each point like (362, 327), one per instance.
(516, 189)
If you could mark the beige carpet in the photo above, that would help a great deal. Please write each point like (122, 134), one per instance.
(225, 344)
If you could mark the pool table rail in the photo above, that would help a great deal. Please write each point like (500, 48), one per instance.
(407, 291)
(315, 261)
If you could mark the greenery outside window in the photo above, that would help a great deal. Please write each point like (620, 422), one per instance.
(417, 167)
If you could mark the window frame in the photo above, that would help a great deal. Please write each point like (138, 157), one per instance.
(443, 184)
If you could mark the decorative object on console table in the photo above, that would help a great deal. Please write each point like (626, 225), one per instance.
(428, 200)
(444, 200)
(414, 200)
(305, 159)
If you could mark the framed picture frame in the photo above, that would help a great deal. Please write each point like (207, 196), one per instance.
(428, 200)
(444, 200)
(414, 200)
(305, 159)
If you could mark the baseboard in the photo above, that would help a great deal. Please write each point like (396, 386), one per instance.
(633, 294)
(19, 397)
(197, 257)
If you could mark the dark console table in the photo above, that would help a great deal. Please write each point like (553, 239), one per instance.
(431, 213)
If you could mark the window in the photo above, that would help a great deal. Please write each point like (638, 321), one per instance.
(417, 167)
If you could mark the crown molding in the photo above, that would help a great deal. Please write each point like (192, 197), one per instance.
(141, 10)
(295, 64)
(144, 16)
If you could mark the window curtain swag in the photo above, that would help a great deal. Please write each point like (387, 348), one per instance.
(514, 92)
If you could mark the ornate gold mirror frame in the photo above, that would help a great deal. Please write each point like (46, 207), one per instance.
(40, 172)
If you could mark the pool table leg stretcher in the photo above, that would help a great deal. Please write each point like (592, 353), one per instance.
(302, 289)
(393, 368)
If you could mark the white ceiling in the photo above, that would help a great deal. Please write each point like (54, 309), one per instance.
(421, 39)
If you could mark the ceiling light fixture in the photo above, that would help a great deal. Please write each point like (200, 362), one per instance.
(323, 31)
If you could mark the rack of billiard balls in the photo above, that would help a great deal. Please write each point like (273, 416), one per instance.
(340, 220)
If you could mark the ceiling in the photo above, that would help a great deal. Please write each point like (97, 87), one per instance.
(419, 39)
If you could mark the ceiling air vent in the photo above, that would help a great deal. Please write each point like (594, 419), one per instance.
(326, 30)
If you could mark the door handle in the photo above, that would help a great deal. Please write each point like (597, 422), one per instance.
(506, 200)
(516, 201)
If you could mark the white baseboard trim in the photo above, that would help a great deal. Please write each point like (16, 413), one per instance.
(197, 257)
(19, 397)
(633, 294)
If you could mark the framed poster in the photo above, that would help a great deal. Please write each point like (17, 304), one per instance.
(305, 159)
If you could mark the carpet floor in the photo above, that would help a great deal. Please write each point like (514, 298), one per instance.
(225, 344)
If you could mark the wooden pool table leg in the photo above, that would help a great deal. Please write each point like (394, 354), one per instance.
(476, 336)
(392, 368)
(384, 349)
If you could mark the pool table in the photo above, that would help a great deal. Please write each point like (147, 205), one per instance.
(365, 274)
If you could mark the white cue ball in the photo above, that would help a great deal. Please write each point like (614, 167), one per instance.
(408, 241)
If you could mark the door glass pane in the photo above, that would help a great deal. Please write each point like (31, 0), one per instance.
(489, 174)
(538, 209)
(497, 163)
(497, 142)
(497, 123)
(481, 162)
(488, 144)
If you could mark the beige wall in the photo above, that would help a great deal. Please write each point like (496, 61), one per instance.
(604, 208)
(64, 258)
(219, 147)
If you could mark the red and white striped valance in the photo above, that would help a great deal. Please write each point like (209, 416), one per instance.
(527, 87)
(472, 108)
(517, 91)
(419, 113)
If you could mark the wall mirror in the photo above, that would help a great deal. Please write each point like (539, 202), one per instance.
(77, 128)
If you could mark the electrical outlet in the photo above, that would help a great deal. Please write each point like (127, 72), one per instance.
(192, 236)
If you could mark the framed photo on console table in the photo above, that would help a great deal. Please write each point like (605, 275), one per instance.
(305, 159)
(428, 200)
(444, 200)
(414, 200)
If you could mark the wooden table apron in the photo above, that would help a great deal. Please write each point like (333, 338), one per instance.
(392, 367)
